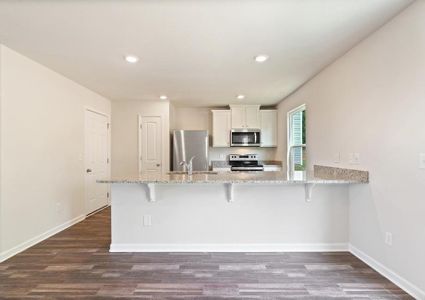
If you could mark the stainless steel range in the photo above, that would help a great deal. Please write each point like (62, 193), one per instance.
(245, 162)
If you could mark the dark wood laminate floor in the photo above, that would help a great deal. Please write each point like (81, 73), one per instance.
(76, 264)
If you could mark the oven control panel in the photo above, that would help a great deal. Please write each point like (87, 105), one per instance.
(238, 157)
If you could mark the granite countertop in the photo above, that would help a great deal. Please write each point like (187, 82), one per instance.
(327, 175)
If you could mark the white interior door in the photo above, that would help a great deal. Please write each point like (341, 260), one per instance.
(96, 160)
(150, 145)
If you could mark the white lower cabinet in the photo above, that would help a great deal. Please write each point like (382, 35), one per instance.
(272, 168)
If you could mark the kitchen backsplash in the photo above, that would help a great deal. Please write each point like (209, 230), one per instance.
(222, 153)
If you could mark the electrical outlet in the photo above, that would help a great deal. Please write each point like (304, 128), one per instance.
(421, 160)
(389, 238)
(222, 156)
(147, 220)
(58, 206)
(354, 158)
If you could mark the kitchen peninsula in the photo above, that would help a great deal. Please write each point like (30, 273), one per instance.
(180, 212)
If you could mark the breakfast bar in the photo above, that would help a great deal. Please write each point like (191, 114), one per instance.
(181, 212)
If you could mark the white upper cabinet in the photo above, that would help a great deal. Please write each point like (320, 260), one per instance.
(238, 116)
(221, 128)
(268, 128)
(252, 114)
(245, 116)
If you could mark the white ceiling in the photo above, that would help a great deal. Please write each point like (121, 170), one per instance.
(198, 52)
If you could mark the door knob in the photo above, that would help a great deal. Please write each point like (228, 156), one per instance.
(158, 165)
(88, 171)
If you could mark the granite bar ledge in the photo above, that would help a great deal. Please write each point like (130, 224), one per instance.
(321, 175)
(198, 212)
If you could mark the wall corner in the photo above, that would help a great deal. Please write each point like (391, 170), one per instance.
(1, 149)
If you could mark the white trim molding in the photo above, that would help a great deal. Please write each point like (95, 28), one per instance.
(404, 284)
(108, 154)
(139, 141)
(315, 247)
(35, 240)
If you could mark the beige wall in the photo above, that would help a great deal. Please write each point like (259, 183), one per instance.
(192, 118)
(1, 152)
(372, 101)
(125, 133)
(42, 149)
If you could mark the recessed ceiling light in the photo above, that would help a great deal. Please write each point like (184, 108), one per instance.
(261, 58)
(240, 97)
(163, 97)
(131, 59)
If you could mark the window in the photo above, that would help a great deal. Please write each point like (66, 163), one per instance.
(297, 139)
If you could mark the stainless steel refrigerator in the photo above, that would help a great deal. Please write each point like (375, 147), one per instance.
(189, 143)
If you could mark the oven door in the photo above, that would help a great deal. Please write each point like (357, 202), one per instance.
(245, 138)
(248, 169)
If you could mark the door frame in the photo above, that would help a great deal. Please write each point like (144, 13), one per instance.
(139, 138)
(108, 150)
(289, 130)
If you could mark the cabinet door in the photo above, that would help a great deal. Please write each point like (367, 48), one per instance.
(221, 128)
(268, 128)
(238, 116)
(272, 168)
(252, 116)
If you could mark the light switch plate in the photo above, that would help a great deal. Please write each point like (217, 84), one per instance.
(147, 220)
(421, 160)
(389, 238)
(354, 158)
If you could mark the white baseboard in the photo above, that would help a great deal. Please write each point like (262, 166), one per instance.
(333, 247)
(31, 242)
(409, 287)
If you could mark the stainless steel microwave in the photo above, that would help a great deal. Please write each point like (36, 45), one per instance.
(245, 137)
